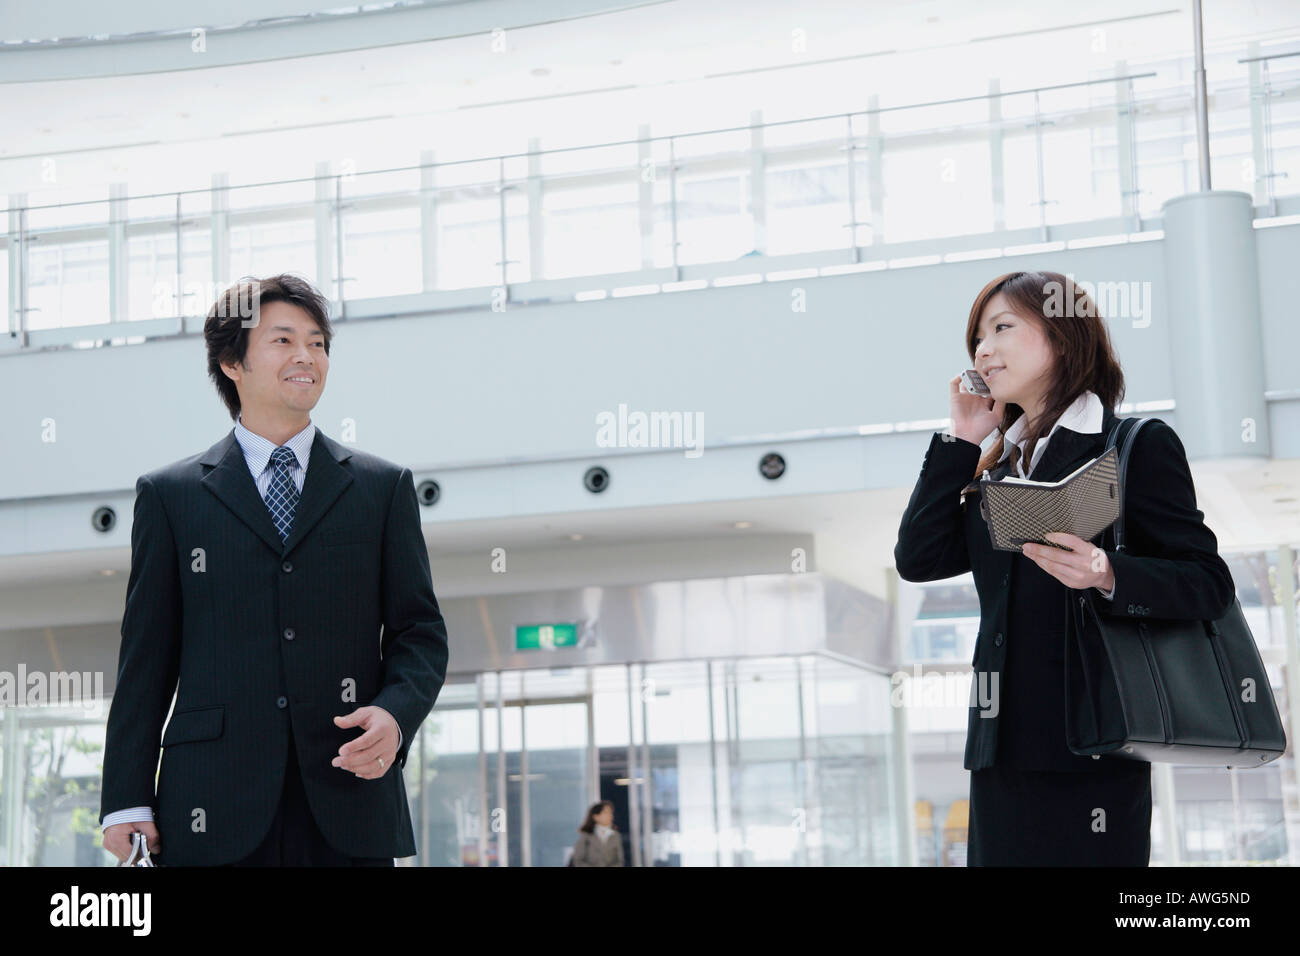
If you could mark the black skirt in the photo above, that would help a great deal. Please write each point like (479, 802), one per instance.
(1060, 818)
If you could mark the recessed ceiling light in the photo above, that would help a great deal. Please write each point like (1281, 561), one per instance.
(741, 524)
(575, 537)
(107, 572)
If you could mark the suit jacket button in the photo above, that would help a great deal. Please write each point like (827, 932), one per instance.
(286, 567)
(997, 640)
(288, 634)
(282, 702)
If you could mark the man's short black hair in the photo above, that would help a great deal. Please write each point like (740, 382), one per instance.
(227, 336)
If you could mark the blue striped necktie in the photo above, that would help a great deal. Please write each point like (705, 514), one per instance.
(282, 495)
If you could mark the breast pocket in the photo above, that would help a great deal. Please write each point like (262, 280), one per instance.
(347, 538)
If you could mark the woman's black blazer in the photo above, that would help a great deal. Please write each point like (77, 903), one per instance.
(1170, 568)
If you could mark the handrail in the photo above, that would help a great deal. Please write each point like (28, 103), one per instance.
(500, 157)
(1271, 56)
(322, 198)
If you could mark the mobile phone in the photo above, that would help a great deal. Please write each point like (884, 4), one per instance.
(975, 383)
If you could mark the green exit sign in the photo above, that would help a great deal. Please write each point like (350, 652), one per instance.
(531, 637)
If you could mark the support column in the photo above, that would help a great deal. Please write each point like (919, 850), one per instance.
(900, 731)
(11, 810)
(1286, 596)
(1215, 335)
(1164, 794)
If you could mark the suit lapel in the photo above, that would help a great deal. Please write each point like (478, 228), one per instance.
(231, 481)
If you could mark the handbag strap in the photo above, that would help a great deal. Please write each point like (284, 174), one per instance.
(140, 848)
(1130, 433)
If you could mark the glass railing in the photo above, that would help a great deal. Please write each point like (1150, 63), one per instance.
(1029, 164)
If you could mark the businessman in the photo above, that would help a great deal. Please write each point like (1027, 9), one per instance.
(280, 588)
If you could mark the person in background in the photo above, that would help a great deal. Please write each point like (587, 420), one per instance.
(599, 843)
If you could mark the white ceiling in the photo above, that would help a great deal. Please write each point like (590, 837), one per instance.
(678, 65)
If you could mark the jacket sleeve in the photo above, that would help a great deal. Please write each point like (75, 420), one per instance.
(414, 640)
(580, 857)
(1170, 566)
(932, 537)
(148, 663)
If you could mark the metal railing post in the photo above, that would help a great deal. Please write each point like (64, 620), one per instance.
(180, 273)
(23, 272)
(758, 182)
(850, 148)
(1202, 101)
(338, 247)
(997, 171)
(672, 177)
(1038, 161)
(1126, 154)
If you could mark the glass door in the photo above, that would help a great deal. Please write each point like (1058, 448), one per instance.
(538, 772)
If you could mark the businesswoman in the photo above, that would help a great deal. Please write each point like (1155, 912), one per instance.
(599, 844)
(1054, 381)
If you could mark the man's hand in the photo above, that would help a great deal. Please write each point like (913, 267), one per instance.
(1084, 566)
(117, 838)
(371, 755)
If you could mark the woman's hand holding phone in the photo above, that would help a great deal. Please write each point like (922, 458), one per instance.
(973, 416)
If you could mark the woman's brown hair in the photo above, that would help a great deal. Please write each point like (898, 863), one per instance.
(1083, 359)
(589, 824)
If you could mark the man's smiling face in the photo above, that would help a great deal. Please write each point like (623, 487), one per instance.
(283, 373)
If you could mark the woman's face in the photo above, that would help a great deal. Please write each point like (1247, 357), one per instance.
(606, 816)
(1018, 349)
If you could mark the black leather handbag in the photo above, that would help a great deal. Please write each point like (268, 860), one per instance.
(1166, 691)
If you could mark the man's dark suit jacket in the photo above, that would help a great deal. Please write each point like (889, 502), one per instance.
(262, 635)
(1170, 568)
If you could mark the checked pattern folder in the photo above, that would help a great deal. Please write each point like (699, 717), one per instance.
(1084, 503)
